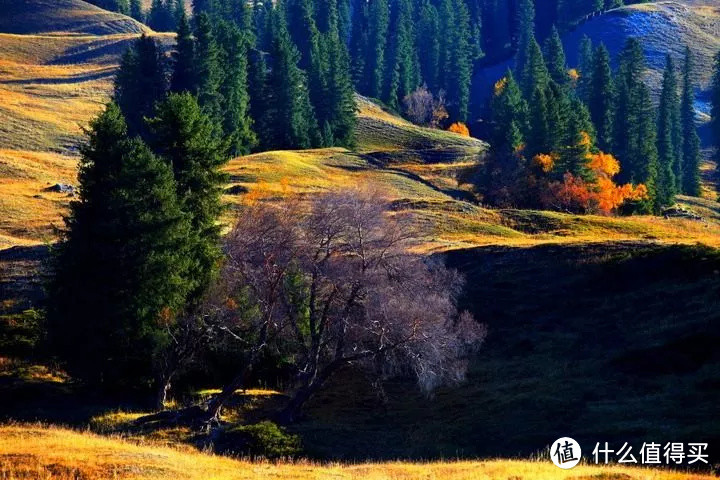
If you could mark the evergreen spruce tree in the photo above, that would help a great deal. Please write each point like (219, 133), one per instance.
(260, 24)
(315, 54)
(358, 47)
(505, 167)
(289, 121)
(140, 83)
(257, 78)
(534, 73)
(208, 69)
(635, 126)
(344, 19)
(558, 116)
(715, 112)
(587, 67)
(538, 135)
(691, 140)
(460, 63)
(447, 24)
(627, 84)
(402, 75)
(644, 155)
(601, 94)
(581, 137)
(428, 44)
(555, 58)
(136, 10)
(183, 74)
(236, 121)
(238, 13)
(524, 31)
(300, 19)
(161, 16)
(189, 143)
(378, 23)
(668, 134)
(119, 276)
(341, 107)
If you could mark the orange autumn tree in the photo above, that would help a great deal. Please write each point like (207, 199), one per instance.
(459, 128)
(597, 192)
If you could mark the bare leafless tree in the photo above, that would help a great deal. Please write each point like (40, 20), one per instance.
(333, 283)
(424, 108)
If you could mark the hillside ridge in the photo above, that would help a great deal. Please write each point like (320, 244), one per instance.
(64, 17)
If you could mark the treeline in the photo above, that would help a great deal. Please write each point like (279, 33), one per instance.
(163, 15)
(561, 138)
(505, 20)
(249, 77)
(395, 47)
(715, 113)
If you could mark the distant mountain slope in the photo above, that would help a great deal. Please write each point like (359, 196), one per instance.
(662, 26)
(63, 16)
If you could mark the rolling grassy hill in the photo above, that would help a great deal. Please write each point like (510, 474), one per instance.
(600, 327)
(38, 452)
(63, 17)
(51, 84)
(57, 63)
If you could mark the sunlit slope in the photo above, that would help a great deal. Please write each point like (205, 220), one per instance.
(63, 17)
(39, 452)
(439, 194)
(52, 82)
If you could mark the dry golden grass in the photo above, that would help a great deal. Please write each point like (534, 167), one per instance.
(37, 452)
(425, 189)
(64, 17)
(52, 84)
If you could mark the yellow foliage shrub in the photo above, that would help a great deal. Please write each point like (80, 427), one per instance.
(459, 128)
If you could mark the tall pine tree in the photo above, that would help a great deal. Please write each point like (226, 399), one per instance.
(289, 121)
(208, 69)
(236, 121)
(140, 83)
(374, 64)
(119, 276)
(186, 139)
(586, 68)
(668, 134)
(555, 58)
(691, 140)
(715, 112)
(183, 74)
(601, 94)
(459, 63)
(533, 73)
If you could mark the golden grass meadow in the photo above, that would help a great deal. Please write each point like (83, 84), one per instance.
(39, 452)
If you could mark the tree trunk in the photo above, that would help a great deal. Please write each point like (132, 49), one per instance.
(163, 387)
(215, 405)
(291, 412)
